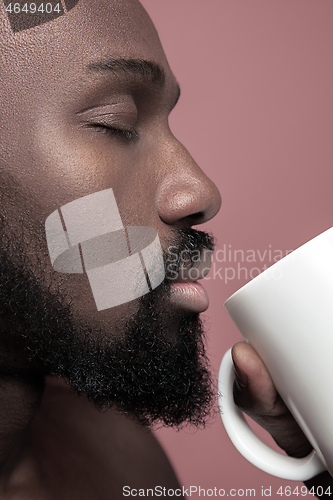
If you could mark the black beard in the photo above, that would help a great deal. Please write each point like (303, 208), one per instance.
(155, 370)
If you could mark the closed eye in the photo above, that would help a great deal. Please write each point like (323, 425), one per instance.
(129, 135)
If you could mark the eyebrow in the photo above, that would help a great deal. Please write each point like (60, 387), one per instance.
(150, 71)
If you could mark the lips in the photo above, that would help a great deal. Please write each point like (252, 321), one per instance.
(186, 292)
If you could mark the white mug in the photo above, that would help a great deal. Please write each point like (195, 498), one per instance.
(286, 314)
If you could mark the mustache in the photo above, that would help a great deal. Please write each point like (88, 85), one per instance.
(188, 249)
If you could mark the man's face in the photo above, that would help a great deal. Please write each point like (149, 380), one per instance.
(84, 107)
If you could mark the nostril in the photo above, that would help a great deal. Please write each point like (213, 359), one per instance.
(196, 218)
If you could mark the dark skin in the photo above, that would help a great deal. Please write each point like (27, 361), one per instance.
(54, 445)
(62, 124)
(69, 449)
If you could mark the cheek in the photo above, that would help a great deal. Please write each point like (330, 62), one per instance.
(54, 168)
(68, 168)
(56, 161)
(58, 173)
(83, 307)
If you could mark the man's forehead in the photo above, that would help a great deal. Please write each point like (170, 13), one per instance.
(90, 31)
(35, 24)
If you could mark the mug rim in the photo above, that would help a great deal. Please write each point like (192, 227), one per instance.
(276, 265)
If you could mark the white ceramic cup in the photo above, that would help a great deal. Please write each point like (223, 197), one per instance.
(286, 314)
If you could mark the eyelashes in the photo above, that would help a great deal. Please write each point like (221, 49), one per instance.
(128, 135)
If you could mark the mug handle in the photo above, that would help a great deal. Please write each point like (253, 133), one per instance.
(249, 445)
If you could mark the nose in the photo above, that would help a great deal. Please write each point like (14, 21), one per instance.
(186, 196)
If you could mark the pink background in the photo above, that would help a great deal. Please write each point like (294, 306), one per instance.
(256, 113)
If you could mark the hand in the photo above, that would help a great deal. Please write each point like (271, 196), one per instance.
(255, 394)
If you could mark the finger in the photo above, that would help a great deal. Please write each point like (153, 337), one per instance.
(255, 394)
(254, 389)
